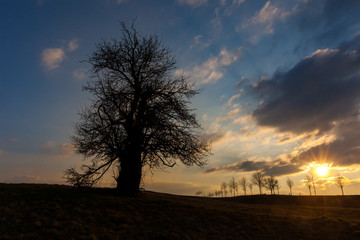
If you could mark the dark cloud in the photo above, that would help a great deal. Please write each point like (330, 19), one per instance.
(344, 151)
(274, 168)
(319, 90)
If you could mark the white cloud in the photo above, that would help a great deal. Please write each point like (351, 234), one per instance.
(52, 57)
(265, 19)
(199, 43)
(73, 45)
(193, 3)
(212, 69)
(233, 98)
(80, 73)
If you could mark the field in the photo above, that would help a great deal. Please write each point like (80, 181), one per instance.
(29, 211)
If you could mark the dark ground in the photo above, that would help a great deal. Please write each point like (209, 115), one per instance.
(29, 211)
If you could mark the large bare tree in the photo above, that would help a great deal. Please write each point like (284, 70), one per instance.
(139, 114)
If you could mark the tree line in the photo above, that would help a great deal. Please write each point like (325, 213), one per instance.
(261, 181)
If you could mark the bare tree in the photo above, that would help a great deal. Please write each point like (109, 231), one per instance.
(313, 183)
(139, 115)
(290, 184)
(308, 183)
(270, 184)
(243, 184)
(224, 188)
(258, 179)
(233, 185)
(340, 182)
(250, 185)
(199, 193)
(277, 186)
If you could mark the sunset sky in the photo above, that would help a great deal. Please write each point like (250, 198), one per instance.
(279, 81)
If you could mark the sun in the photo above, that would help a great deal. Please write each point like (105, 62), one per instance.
(322, 170)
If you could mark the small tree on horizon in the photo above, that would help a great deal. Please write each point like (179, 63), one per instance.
(290, 184)
(233, 185)
(224, 188)
(258, 179)
(243, 184)
(139, 114)
(340, 182)
(250, 185)
(308, 183)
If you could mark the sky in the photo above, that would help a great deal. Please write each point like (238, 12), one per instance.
(279, 86)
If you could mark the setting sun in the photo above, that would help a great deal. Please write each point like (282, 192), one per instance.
(322, 170)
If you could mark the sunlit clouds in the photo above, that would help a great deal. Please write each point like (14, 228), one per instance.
(52, 57)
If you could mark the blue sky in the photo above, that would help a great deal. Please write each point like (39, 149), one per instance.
(279, 85)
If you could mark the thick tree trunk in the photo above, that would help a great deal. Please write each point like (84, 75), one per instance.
(128, 181)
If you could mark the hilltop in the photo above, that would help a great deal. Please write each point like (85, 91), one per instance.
(32, 211)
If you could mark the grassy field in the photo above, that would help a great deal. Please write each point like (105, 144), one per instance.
(29, 211)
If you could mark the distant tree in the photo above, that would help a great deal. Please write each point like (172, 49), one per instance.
(233, 185)
(258, 179)
(308, 183)
(199, 193)
(139, 114)
(270, 184)
(313, 183)
(250, 185)
(224, 188)
(243, 184)
(277, 186)
(340, 182)
(210, 195)
(290, 184)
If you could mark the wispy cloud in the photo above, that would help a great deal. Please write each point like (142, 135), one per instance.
(212, 69)
(64, 149)
(193, 3)
(73, 45)
(52, 57)
(79, 74)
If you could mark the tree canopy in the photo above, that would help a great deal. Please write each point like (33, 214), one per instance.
(139, 114)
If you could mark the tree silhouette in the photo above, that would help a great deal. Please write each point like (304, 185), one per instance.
(250, 185)
(313, 183)
(139, 114)
(233, 186)
(243, 184)
(340, 182)
(309, 183)
(270, 184)
(290, 184)
(224, 188)
(258, 179)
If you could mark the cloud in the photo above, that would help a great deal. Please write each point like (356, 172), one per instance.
(263, 21)
(277, 167)
(79, 74)
(199, 43)
(52, 57)
(212, 69)
(64, 149)
(73, 45)
(193, 3)
(319, 98)
(316, 94)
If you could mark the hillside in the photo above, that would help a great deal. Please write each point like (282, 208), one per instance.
(29, 211)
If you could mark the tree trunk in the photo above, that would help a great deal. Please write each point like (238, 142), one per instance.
(128, 181)
(342, 190)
